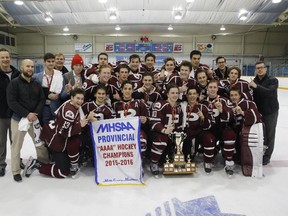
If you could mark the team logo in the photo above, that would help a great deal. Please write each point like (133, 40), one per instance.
(69, 114)
(37, 126)
(157, 105)
(84, 86)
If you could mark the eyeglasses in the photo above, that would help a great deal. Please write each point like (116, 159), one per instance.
(262, 67)
(220, 62)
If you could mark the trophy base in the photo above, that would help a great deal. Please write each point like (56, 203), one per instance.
(179, 168)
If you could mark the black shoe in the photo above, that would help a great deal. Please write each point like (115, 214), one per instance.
(265, 161)
(2, 172)
(17, 177)
(22, 165)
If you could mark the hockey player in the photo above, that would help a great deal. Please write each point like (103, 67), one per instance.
(234, 74)
(136, 70)
(166, 117)
(94, 68)
(99, 107)
(185, 81)
(98, 110)
(62, 136)
(149, 59)
(195, 57)
(130, 107)
(201, 83)
(104, 77)
(219, 131)
(116, 82)
(246, 114)
(168, 75)
(148, 92)
(195, 119)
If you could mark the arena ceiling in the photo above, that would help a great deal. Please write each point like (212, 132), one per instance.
(142, 17)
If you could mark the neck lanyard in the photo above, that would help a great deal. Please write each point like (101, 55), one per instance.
(174, 112)
(212, 103)
(126, 107)
(49, 83)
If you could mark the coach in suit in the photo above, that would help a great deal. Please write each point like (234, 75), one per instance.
(75, 78)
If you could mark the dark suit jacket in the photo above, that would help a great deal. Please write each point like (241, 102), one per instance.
(69, 76)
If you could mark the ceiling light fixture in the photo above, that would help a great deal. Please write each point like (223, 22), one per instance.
(178, 15)
(18, 2)
(117, 28)
(48, 17)
(276, 1)
(222, 28)
(170, 27)
(190, 1)
(243, 17)
(66, 29)
(113, 15)
(243, 14)
(103, 1)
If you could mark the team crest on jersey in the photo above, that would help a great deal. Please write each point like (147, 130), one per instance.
(84, 86)
(37, 126)
(90, 66)
(69, 114)
(157, 105)
(138, 76)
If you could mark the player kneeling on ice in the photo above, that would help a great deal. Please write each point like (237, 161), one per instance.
(63, 138)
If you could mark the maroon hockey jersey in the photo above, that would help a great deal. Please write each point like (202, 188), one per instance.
(219, 120)
(190, 83)
(93, 69)
(102, 111)
(56, 133)
(148, 97)
(251, 113)
(173, 78)
(89, 87)
(134, 107)
(192, 123)
(243, 85)
(163, 114)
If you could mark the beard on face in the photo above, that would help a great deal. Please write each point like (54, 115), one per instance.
(27, 74)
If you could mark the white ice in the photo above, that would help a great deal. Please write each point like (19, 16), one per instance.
(45, 196)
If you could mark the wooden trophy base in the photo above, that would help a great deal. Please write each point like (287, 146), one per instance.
(179, 166)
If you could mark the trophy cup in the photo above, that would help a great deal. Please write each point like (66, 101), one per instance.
(179, 165)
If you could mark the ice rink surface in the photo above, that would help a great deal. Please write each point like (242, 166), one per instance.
(196, 194)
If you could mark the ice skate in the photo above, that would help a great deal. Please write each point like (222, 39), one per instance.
(208, 168)
(154, 167)
(31, 166)
(74, 171)
(229, 168)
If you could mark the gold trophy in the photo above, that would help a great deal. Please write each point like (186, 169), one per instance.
(179, 165)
